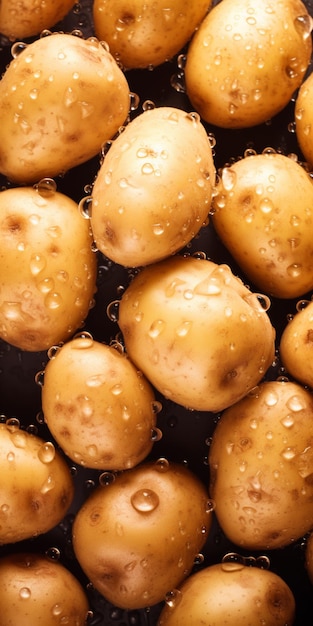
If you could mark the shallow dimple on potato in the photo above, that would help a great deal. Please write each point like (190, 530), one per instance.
(245, 61)
(261, 467)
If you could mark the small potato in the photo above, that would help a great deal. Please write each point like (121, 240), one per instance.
(61, 99)
(196, 332)
(228, 594)
(153, 191)
(97, 406)
(296, 345)
(304, 119)
(261, 467)
(263, 215)
(142, 34)
(36, 488)
(19, 20)
(138, 537)
(39, 592)
(47, 267)
(247, 59)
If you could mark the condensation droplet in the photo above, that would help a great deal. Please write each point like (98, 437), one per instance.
(145, 500)
(46, 452)
(173, 598)
(25, 593)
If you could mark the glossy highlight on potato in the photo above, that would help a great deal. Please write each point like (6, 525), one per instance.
(201, 337)
(138, 537)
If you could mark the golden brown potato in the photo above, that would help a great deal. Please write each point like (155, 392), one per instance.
(153, 191)
(228, 594)
(304, 118)
(142, 34)
(263, 215)
(19, 20)
(36, 488)
(61, 99)
(196, 332)
(39, 592)
(97, 405)
(47, 267)
(246, 60)
(138, 537)
(296, 345)
(261, 467)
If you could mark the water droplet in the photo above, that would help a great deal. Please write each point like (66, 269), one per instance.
(228, 178)
(112, 310)
(287, 421)
(303, 25)
(53, 553)
(39, 378)
(46, 187)
(156, 406)
(288, 453)
(162, 464)
(85, 207)
(48, 485)
(25, 593)
(173, 598)
(156, 434)
(145, 500)
(53, 300)
(37, 264)
(156, 328)
(17, 48)
(296, 403)
(46, 452)
(106, 478)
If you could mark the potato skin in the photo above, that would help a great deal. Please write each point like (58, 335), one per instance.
(142, 34)
(296, 345)
(245, 61)
(36, 489)
(196, 332)
(138, 537)
(263, 215)
(46, 238)
(231, 594)
(19, 20)
(97, 405)
(304, 118)
(40, 592)
(261, 467)
(74, 98)
(153, 191)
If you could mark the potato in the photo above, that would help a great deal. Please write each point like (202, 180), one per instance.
(97, 406)
(247, 59)
(36, 488)
(142, 34)
(196, 332)
(138, 537)
(230, 594)
(40, 592)
(263, 215)
(153, 191)
(61, 99)
(304, 118)
(25, 19)
(296, 345)
(47, 267)
(261, 467)
(309, 557)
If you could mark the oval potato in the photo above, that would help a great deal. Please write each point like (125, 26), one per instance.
(61, 99)
(36, 487)
(230, 594)
(97, 405)
(43, 234)
(261, 467)
(153, 191)
(196, 332)
(40, 592)
(296, 345)
(138, 537)
(19, 20)
(263, 215)
(247, 59)
(142, 34)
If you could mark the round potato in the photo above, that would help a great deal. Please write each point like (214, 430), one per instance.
(296, 345)
(47, 267)
(61, 99)
(36, 487)
(261, 467)
(97, 405)
(40, 592)
(304, 118)
(138, 537)
(197, 333)
(153, 191)
(230, 594)
(263, 215)
(246, 60)
(19, 20)
(142, 34)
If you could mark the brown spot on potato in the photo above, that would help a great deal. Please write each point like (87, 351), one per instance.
(309, 336)
(14, 224)
(127, 18)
